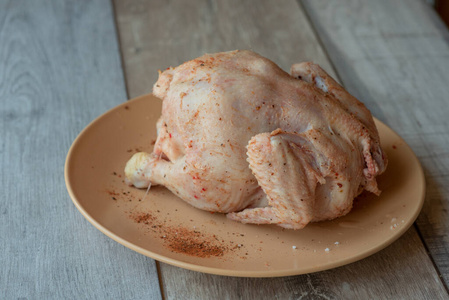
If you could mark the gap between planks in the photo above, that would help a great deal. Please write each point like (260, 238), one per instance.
(125, 78)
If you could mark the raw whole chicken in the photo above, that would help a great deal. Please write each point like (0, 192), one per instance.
(238, 135)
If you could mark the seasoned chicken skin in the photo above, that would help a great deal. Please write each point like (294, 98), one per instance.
(238, 135)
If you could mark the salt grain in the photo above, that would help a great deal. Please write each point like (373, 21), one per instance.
(294, 247)
(337, 243)
(393, 226)
(327, 249)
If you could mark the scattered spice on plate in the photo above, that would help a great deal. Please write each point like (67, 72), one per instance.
(194, 243)
(185, 240)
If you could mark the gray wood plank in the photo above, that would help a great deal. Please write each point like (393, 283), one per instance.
(394, 55)
(157, 34)
(59, 69)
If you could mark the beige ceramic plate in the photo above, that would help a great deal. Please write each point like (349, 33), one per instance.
(165, 228)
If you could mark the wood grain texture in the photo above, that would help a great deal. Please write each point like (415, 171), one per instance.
(394, 55)
(157, 34)
(59, 69)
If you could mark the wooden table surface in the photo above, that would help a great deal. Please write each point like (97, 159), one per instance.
(63, 63)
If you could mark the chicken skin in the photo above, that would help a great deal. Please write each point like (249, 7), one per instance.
(238, 135)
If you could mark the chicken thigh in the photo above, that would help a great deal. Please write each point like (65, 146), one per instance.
(238, 135)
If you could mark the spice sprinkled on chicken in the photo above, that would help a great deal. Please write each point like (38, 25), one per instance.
(238, 135)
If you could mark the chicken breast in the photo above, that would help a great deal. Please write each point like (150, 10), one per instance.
(238, 135)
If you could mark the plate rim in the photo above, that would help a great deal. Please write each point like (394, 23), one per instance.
(230, 272)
